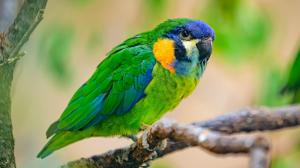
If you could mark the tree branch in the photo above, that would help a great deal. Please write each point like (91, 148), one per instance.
(7, 159)
(254, 119)
(11, 42)
(18, 33)
(207, 134)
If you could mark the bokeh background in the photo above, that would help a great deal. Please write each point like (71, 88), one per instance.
(256, 42)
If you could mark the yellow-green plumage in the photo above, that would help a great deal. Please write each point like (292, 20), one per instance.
(131, 88)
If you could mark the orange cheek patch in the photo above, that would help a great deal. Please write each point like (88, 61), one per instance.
(164, 53)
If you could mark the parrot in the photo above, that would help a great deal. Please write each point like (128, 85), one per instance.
(292, 85)
(139, 81)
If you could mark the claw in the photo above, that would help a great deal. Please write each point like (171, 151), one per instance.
(145, 165)
(161, 146)
(134, 138)
(145, 126)
(145, 143)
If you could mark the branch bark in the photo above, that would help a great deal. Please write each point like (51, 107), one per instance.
(7, 158)
(11, 42)
(254, 119)
(207, 134)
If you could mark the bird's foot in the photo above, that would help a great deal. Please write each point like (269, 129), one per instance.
(134, 138)
(145, 127)
(161, 146)
(145, 165)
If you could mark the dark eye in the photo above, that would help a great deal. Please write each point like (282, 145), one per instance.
(185, 35)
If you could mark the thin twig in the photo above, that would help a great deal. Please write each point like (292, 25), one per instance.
(254, 119)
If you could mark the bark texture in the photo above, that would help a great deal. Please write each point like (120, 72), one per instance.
(7, 159)
(11, 42)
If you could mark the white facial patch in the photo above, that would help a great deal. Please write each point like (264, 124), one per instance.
(190, 47)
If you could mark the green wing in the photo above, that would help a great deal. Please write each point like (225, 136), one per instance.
(116, 86)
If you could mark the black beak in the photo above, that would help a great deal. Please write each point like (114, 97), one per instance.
(205, 47)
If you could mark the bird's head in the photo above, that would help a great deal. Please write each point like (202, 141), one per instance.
(183, 46)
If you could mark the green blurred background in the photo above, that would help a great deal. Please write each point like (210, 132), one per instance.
(255, 47)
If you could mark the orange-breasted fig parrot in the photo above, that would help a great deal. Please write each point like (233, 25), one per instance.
(140, 80)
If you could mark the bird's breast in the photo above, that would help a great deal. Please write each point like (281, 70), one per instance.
(164, 92)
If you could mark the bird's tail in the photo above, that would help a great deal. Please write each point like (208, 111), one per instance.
(61, 140)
